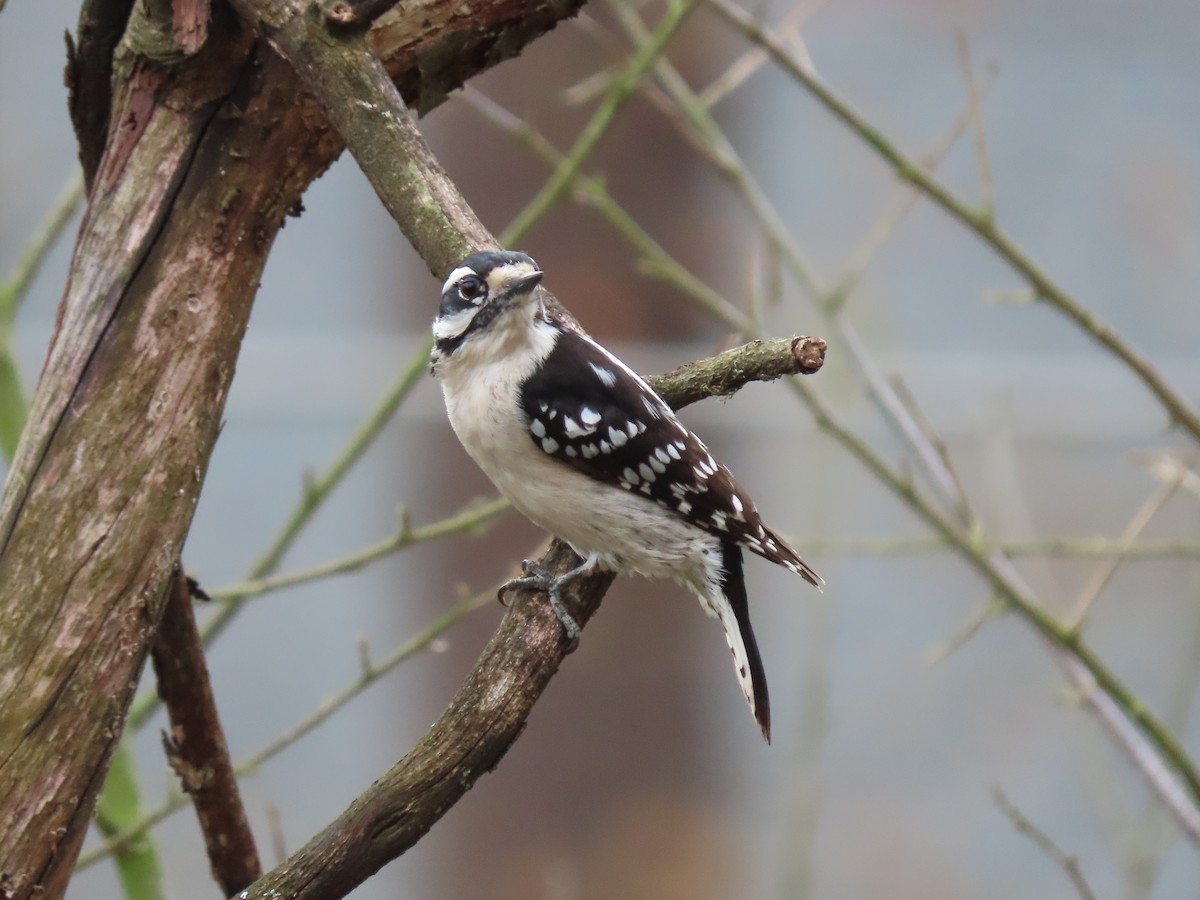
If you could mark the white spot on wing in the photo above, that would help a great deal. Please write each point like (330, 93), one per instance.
(538, 427)
(550, 445)
(589, 416)
(646, 472)
(618, 438)
(607, 376)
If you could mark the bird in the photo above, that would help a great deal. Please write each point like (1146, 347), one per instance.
(587, 450)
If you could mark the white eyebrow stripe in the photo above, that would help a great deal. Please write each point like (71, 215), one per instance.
(455, 276)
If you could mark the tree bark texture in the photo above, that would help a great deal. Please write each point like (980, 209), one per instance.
(196, 746)
(203, 157)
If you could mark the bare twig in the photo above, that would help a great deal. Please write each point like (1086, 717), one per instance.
(1068, 863)
(740, 70)
(976, 111)
(471, 520)
(988, 612)
(690, 115)
(1158, 498)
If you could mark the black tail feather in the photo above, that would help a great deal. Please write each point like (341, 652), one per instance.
(733, 585)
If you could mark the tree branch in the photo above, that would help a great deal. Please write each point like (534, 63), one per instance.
(196, 745)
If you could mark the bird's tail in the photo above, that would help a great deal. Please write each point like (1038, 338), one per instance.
(729, 602)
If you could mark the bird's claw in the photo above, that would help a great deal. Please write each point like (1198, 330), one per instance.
(539, 579)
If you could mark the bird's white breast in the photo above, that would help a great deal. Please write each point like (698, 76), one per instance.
(481, 383)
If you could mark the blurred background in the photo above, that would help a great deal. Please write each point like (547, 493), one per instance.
(641, 773)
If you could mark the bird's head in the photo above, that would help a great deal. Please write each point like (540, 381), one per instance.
(482, 292)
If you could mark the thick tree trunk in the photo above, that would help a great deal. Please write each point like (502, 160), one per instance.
(203, 159)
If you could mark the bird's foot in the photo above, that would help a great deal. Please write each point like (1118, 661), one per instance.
(537, 578)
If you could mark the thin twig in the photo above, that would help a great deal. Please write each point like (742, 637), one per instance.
(619, 91)
(1065, 861)
(740, 70)
(976, 109)
(697, 123)
(1161, 779)
(1001, 577)
(937, 654)
(1103, 574)
(469, 521)
(35, 251)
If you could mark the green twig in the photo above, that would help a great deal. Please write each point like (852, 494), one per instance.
(1065, 861)
(38, 247)
(471, 520)
(978, 221)
(619, 91)
(12, 292)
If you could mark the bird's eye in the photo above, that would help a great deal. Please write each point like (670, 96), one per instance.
(471, 288)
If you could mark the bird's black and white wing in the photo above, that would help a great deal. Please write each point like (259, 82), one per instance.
(591, 411)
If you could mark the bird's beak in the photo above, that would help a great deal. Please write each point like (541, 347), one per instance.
(526, 283)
